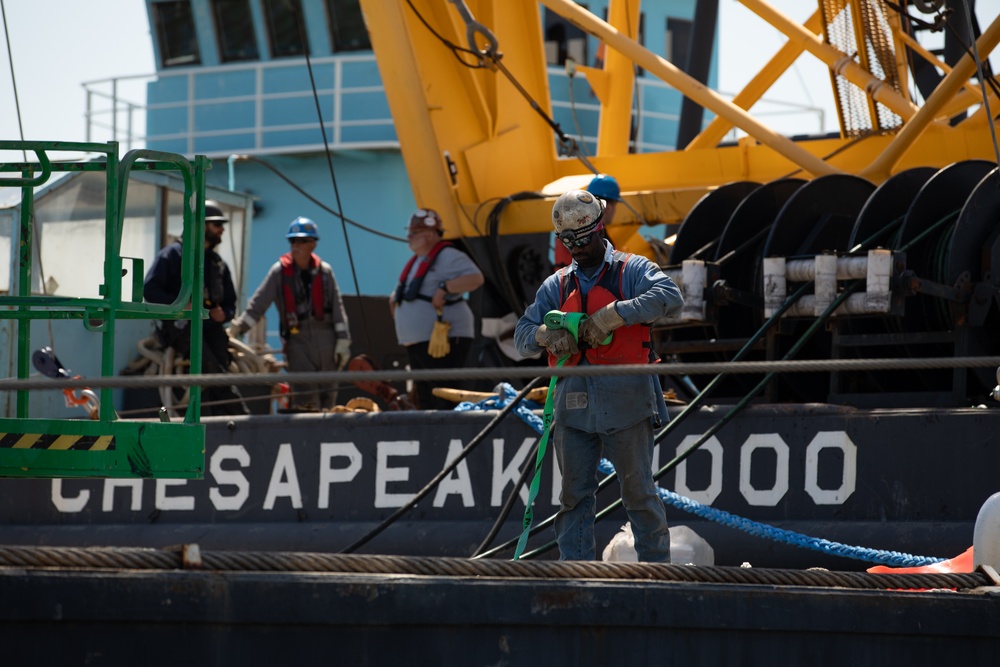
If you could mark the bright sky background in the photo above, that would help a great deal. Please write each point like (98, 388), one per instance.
(59, 44)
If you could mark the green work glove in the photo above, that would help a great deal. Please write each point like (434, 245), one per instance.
(559, 342)
(595, 329)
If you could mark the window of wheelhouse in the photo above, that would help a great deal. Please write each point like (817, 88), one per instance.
(678, 42)
(563, 40)
(347, 26)
(283, 18)
(234, 30)
(176, 34)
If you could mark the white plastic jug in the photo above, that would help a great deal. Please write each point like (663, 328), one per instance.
(686, 547)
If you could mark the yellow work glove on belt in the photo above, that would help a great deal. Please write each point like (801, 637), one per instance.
(438, 346)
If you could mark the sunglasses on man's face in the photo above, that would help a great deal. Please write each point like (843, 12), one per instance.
(571, 240)
(297, 241)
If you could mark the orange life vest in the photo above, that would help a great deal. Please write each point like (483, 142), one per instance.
(629, 345)
(290, 315)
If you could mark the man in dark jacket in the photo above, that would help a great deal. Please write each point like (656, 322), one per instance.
(162, 285)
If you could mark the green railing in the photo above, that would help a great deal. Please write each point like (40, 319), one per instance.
(106, 446)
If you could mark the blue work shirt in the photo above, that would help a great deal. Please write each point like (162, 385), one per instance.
(606, 404)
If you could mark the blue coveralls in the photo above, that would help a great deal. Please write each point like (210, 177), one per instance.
(610, 415)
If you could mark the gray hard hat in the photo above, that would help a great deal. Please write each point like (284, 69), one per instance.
(577, 211)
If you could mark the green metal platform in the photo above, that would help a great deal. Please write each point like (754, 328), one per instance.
(105, 446)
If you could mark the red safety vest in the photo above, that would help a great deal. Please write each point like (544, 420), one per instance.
(629, 345)
(403, 294)
(290, 315)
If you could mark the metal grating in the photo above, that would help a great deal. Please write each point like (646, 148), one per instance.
(846, 23)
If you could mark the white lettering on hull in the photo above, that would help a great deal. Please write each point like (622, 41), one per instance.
(172, 503)
(284, 480)
(705, 496)
(764, 497)
(340, 466)
(384, 474)
(328, 475)
(133, 485)
(68, 505)
(224, 477)
(849, 478)
(458, 482)
(504, 476)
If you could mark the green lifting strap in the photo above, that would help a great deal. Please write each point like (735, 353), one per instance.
(554, 319)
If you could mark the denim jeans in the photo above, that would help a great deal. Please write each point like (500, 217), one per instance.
(631, 451)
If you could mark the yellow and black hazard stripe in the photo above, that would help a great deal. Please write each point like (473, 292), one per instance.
(90, 443)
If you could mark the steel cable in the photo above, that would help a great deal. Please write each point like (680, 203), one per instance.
(521, 373)
(308, 562)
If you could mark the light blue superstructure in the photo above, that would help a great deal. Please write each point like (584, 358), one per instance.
(225, 93)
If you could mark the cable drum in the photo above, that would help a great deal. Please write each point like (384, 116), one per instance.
(878, 226)
(699, 237)
(740, 252)
(928, 324)
(881, 218)
(818, 218)
(699, 234)
(939, 200)
(942, 221)
(974, 250)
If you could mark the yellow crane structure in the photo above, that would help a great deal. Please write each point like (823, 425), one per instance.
(904, 198)
(463, 79)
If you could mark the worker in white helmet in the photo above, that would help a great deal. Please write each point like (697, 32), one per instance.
(600, 416)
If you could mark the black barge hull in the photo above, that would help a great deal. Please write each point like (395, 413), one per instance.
(65, 617)
(909, 480)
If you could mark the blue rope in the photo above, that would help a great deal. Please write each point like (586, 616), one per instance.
(892, 558)
(506, 394)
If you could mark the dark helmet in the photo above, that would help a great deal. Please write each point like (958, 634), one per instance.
(214, 213)
(605, 187)
(425, 218)
(302, 228)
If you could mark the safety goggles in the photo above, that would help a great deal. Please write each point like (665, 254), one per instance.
(570, 239)
(302, 239)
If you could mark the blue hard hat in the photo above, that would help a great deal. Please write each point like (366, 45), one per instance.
(605, 187)
(302, 228)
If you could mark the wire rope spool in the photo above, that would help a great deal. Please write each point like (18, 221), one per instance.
(882, 216)
(698, 235)
(973, 252)
(819, 217)
(926, 235)
(697, 238)
(741, 249)
(878, 225)
(739, 253)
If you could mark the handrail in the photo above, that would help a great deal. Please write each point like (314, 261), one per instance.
(110, 306)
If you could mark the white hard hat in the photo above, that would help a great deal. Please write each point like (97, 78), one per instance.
(577, 211)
